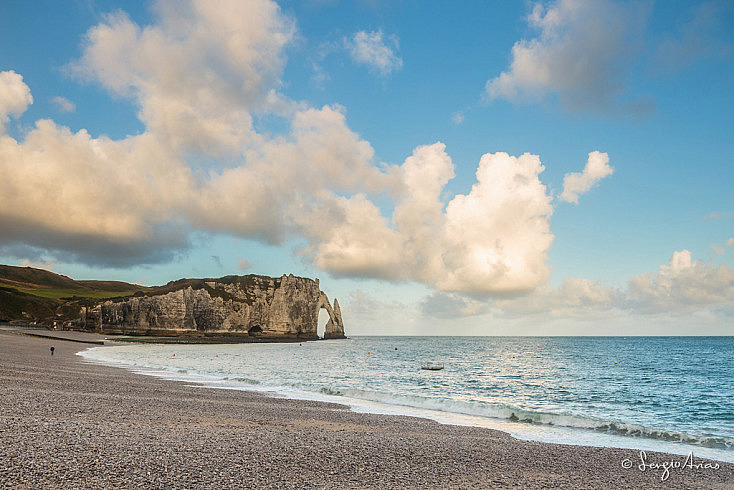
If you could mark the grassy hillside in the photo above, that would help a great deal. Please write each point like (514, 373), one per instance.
(38, 282)
(36, 295)
(15, 305)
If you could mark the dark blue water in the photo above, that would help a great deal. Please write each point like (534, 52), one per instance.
(595, 390)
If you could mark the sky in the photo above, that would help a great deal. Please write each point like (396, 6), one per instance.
(444, 168)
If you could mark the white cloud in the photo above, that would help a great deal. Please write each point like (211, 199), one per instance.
(730, 242)
(368, 307)
(319, 76)
(43, 264)
(583, 54)
(457, 117)
(369, 48)
(103, 199)
(15, 97)
(575, 298)
(228, 53)
(682, 284)
(372, 315)
(243, 264)
(358, 243)
(451, 305)
(574, 184)
(717, 250)
(64, 104)
(716, 215)
(498, 235)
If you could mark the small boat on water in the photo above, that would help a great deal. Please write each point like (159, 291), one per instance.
(432, 366)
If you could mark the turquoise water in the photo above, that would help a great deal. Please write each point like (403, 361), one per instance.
(672, 394)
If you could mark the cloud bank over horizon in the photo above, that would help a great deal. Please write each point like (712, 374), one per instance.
(683, 286)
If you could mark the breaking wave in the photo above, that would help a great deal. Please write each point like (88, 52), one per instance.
(515, 414)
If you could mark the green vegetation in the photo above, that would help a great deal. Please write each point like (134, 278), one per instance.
(34, 295)
(16, 305)
(63, 293)
(244, 281)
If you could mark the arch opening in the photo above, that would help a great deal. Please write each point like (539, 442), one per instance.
(323, 320)
(255, 330)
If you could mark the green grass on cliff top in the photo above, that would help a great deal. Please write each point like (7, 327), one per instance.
(58, 293)
(49, 285)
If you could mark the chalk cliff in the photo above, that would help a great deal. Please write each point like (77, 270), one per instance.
(334, 327)
(254, 306)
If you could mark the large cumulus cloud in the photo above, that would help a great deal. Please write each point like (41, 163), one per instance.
(492, 240)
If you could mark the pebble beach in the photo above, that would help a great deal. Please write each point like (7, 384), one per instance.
(65, 422)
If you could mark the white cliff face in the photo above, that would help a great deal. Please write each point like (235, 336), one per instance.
(334, 327)
(258, 306)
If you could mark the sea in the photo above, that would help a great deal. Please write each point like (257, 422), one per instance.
(671, 394)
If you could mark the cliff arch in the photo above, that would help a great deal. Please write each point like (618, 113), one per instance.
(335, 326)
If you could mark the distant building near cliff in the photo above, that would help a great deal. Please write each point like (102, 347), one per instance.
(262, 307)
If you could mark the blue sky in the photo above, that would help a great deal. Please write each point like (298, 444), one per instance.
(342, 140)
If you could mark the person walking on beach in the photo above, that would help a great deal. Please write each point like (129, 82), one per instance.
(52, 350)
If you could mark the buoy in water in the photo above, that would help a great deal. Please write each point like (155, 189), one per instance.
(615, 362)
(396, 348)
